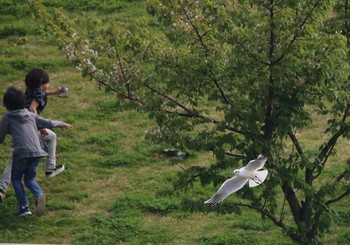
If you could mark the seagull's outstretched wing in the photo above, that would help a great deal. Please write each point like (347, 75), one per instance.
(260, 177)
(257, 163)
(227, 188)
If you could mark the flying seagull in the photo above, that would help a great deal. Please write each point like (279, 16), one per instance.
(241, 177)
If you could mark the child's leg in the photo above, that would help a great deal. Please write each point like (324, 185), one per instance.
(18, 170)
(33, 186)
(29, 177)
(6, 176)
(52, 169)
(50, 141)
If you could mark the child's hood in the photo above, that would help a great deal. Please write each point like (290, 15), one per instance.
(21, 115)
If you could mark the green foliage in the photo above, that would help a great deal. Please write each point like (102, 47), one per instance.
(243, 237)
(207, 73)
(105, 6)
(122, 159)
(102, 231)
(78, 196)
(119, 227)
(229, 78)
(12, 31)
(161, 206)
(14, 8)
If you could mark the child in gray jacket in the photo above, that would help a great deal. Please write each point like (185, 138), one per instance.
(23, 126)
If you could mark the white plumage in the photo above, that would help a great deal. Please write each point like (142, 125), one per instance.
(248, 173)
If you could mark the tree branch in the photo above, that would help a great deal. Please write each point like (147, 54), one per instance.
(199, 36)
(342, 175)
(190, 112)
(266, 213)
(307, 206)
(234, 155)
(206, 50)
(282, 211)
(292, 201)
(328, 148)
(187, 182)
(296, 143)
(300, 26)
(206, 119)
(345, 193)
(223, 94)
(269, 122)
(246, 50)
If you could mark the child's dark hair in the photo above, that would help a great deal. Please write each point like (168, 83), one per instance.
(14, 99)
(36, 77)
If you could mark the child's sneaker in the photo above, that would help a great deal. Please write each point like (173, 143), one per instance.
(23, 212)
(40, 205)
(56, 171)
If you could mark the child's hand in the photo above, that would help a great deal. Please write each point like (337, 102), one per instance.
(62, 92)
(43, 132)
(58, 90)
(67, 125)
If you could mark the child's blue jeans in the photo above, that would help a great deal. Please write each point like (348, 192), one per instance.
(25, 167)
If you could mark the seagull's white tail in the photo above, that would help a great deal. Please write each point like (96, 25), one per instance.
(258, 179)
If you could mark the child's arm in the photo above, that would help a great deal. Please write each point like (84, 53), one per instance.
(67, 125)
(54, 92)
(47, 123)
(3, 128)
(33, 106)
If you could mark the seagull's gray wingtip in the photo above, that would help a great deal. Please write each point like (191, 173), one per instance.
(207, 202)
(212, 202)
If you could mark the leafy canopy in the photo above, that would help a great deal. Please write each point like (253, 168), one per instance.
(236, 78)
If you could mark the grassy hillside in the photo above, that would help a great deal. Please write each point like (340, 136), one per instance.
(109, 193)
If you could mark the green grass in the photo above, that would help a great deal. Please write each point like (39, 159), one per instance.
(111, 190)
